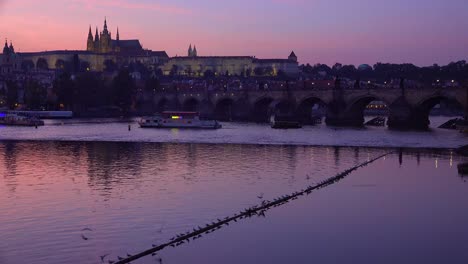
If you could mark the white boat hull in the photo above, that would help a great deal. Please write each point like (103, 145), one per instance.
(168, 123)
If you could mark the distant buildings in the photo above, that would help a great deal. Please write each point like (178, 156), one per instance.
(103, 51)
(193, 65)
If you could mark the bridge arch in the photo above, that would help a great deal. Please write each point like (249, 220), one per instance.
(423, 109)
(310, 109)
(224, 108)
(356, 107)
(261, 109)
(191, 104)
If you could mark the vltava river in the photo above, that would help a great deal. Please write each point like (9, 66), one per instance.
(68, 197)
(238, 133)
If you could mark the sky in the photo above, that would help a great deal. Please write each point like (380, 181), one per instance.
(422, 32)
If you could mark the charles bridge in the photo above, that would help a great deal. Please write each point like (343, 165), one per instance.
(408, 107)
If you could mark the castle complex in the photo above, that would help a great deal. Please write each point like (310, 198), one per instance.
(102, 50)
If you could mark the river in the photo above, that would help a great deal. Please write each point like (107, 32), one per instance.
(238, 133)
(72, 192)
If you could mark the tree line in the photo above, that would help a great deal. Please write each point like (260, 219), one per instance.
(382, 72)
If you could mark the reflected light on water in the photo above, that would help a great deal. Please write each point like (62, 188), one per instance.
(132, 195)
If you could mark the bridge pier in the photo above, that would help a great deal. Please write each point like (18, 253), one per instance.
(403, 116)
(338, 114)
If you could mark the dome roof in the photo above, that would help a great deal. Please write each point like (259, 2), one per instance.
(364, 67)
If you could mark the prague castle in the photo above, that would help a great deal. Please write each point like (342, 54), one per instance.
(101, 50)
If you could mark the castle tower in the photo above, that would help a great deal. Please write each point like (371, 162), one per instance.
(117, 46)
(190, 51)
(105, 40)
(12, 49)
(90, 42)
(6, 49)
(105, 27)
(96, 41)
(292, 57)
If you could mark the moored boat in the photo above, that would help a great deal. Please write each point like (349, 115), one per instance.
(170, 119)
(19, 120)
(284, 122)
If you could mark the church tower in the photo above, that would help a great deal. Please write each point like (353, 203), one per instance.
(190, 51)
(292, 57)
(105, 41)
(194, 52)
(90, 43)
(117, 41)
(96, 41)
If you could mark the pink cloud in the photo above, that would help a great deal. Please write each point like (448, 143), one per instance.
(126, 4)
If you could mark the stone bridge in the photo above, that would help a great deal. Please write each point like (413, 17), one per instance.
(407, 107)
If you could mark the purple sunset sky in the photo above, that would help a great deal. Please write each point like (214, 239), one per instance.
(422, 32)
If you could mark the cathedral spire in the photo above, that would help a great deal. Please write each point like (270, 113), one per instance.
(190, 51)
(12, 49)
(6, 50)
(105, 26)
(96, 38)
(194, 52)
(118, 36)
(90, 34)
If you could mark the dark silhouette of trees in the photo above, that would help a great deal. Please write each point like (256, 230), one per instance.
(35, 94)
(208, 74)
(84, 66)
(64, 66)
(152, 84)
(42, 64)
(27, 65)
(123, 87)
(12, 94)
(174, 70)
(88, 91)
(64, 89)
(385, 72)
(268, 71)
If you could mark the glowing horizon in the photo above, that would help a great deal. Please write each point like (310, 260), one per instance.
(318, 31)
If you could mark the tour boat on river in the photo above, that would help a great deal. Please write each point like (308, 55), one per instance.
(19, 120)
(171, 119)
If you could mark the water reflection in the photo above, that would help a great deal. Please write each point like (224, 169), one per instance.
(125, 191)
(9, 161)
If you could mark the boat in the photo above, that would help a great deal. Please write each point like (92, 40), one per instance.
(284, 122)
(19, 120)
(171, 119)
(43, 114)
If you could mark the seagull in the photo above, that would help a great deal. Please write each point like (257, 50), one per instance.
(103, 257)
(86, 229)
(260, 196)
(83, 237)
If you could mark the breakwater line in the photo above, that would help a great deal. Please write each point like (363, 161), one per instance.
(257, 210)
